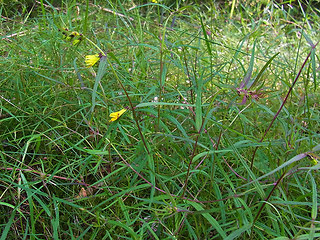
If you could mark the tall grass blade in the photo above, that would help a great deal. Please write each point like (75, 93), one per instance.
(314, 69)
(254, 81)
(8, 226)
(214, 223)
(205, 35)
(247, 77)
(237, 233)
(55, 221)
(286, 164)
(101, 71)
(199, 106)
(313, 59)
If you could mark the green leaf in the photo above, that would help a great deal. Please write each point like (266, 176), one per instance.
(308, 39)
(210, 219)
(101, 71)
(248, 75)
(204, 32)
(287, 163)
(316, 148)
(124, 226)
(237, 233)
(8, 226)
(254, 81)
(148, 104)
(199, 105)
(314, 67)
(314, 210)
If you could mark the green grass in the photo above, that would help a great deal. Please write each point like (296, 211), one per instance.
(220, 139)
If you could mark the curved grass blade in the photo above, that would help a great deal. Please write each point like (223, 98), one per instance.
(248, 75)
(210, 219)
(101, 71)
(237, 233)
(254, 81)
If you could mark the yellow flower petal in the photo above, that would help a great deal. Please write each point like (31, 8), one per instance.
(72, 35)
(154, 1)
(92, 60)
(115, 115)
(76, 41)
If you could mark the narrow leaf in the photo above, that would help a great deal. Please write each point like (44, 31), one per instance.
(254, 82)
(248, 75)
(314, 210)
(198, 109)
(314, 68)
(101, 71)
(210, 219)
(205, 36)
(308, 39)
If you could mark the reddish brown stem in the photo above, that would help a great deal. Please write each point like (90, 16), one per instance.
(282, 105)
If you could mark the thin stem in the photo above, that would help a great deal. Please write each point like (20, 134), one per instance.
(282, 105)
(265, 202)
(190, 162)
(196, 142)
(95, 45)
(161, 190)
(132, 107)
(160, 80)
(190, 80)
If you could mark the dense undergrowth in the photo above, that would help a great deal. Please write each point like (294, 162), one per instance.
(218, 137)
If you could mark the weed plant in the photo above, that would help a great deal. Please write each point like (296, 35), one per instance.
(159, 120)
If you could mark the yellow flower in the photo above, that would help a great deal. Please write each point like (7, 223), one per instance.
(75, 42)
(73, 37)
(92, 60)
(154, 1)
(115, 115)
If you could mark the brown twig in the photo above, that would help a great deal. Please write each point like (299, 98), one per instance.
(111, 11)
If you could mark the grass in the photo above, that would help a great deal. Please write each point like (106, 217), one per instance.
(220, 139)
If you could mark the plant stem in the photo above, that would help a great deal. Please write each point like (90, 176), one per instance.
(282, 105)
(265, 202)
(100, 50)
(132, 107)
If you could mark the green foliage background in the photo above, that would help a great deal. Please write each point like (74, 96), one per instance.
(221, 136)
